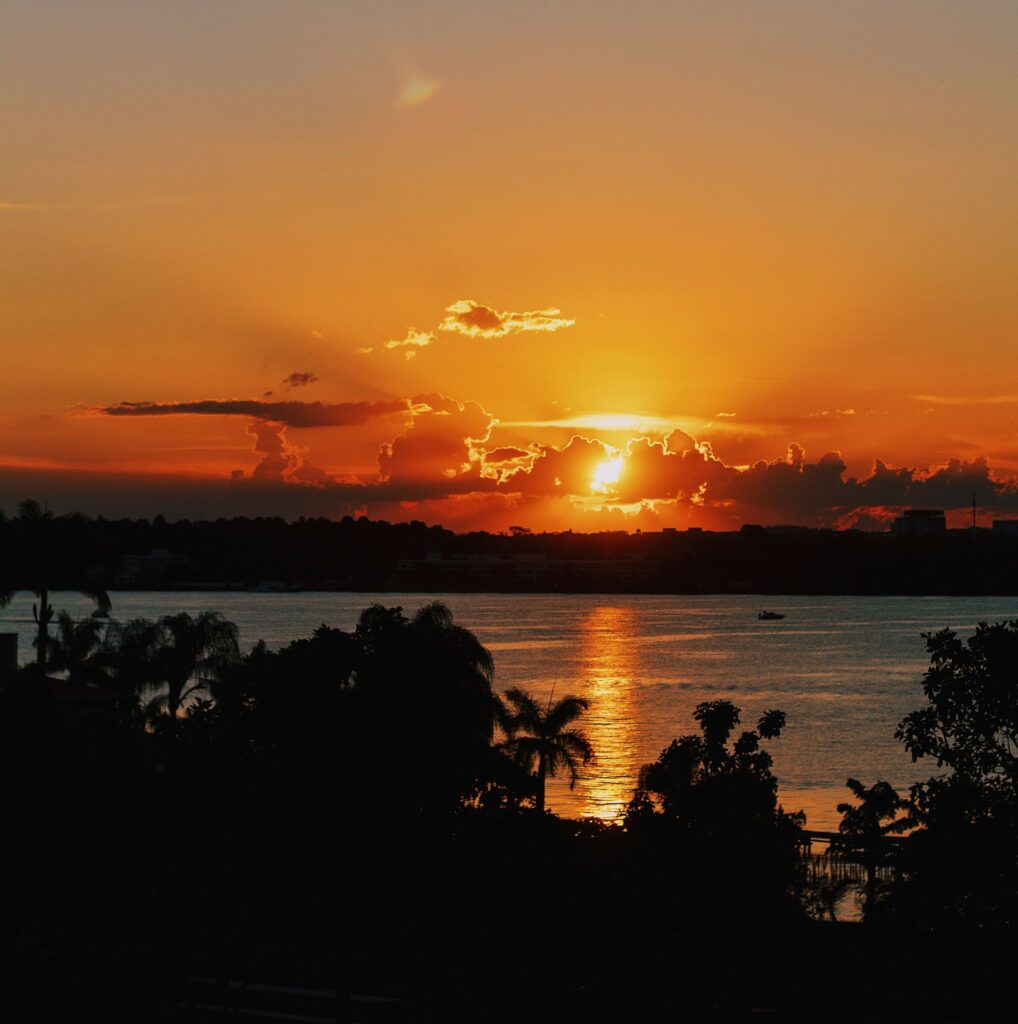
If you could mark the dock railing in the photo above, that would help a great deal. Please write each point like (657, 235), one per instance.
(831, 856)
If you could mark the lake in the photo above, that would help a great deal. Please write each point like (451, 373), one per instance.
(843, 669)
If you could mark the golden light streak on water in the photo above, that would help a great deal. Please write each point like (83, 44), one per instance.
(608, 668)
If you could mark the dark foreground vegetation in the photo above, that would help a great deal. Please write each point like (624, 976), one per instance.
(360, 813)
(362, 555)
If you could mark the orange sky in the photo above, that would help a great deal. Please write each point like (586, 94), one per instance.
(762, 225)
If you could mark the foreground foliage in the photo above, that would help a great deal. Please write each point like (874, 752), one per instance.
(364, 798)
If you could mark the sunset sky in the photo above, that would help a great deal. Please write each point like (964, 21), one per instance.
(562, 265)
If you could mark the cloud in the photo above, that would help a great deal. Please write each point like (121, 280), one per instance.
(676, 469)
(475, 321)
(876, 518)
(499, 464)
(559, 471)
(635, 424)
(413, 341)
(434, 472)
(790, 489)
(478, 321)
(298, 380)
(968, 399)
(507, 454)
(281, 461)
(444, 449)
(439, 446)
(292, 414)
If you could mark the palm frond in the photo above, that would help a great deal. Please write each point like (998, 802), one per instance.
(524, 750)
(564, 711)
(857, 788)
(526, 712)
(502, 716)
(98, 597)
(435, 614)
(576, 744)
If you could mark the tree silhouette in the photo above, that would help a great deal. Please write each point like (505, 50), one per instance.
(963, 863)
(129, 655)
(540, 740)
(177, 656)
(44, 564)
(703, 785)
(821, 896)
(77, 648)
(970, 724)
(865, 827)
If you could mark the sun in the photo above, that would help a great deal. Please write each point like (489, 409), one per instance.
(606, 475)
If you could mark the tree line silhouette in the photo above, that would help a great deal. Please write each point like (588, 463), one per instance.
(364, 555)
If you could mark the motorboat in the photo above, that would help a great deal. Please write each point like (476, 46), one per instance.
(770, 616)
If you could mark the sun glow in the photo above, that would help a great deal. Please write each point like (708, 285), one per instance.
(606, 476)
(416, 92)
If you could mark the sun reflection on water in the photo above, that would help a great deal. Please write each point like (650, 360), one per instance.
(608, 666)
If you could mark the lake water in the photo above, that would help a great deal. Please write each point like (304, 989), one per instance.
(844, 669)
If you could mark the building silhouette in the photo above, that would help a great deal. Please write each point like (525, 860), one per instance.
(920, 522)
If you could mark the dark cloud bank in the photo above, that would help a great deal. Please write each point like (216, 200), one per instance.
(443, 454)
(290, 413)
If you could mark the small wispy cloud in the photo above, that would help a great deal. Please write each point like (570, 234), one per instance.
(413, 341)
(298, 380)
(476, 320)
(632, 423)
(638, 424)
(967, 399)
(417, 91)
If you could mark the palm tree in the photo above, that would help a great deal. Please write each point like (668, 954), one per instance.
(46, 566)
(428, 683)
(177, 655)
(542, 737)
(865, 827)
(130, 651)
(77, 648)
(43, 613)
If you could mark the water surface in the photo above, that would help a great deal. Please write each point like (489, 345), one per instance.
(844, 669)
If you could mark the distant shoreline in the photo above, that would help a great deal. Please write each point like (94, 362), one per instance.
(196, 589)
(363, 556)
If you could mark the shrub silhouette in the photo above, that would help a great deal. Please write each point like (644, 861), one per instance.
(701, 784)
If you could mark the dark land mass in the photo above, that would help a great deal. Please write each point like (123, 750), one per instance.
(365, 556)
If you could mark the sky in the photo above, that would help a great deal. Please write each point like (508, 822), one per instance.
(560, 265)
